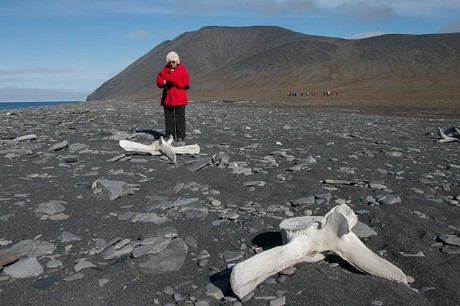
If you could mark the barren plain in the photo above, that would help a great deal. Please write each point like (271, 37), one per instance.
(79, 212)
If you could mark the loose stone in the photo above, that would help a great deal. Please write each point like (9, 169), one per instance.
(25, 137)
(74, 277)
(214, 292)
(8, 257)
(83, 265)
(170, 259)
(389, 199)
(450, 239)
(232, 255)
(32, 248)
(53, 264)
(26, 268)
(52, 207)
(115, 189)
(278, 301)
(59, 146)
(66, 237)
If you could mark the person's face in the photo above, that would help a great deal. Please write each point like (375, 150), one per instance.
(172, 64)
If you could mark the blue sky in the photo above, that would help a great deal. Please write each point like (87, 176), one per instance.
(54, 50)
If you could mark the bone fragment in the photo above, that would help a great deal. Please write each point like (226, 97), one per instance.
(457, 130)
(446, 138)
(152, 149)
(337, 182)
(160, 146)
(166, 148)
(304, 240)
(25, 137)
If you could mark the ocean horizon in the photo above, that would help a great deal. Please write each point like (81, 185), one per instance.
(28, 104)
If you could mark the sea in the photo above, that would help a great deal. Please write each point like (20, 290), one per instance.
(15, 105)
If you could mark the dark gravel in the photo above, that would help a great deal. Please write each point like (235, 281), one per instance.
(398, 152)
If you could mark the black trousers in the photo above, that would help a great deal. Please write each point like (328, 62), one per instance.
(175, 121)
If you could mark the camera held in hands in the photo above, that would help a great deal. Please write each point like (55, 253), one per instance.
(169, 84)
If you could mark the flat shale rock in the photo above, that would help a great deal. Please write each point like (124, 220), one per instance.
(27, 268)
(8, 257)
(153, 245)
(363, 230)
(32, 248)
(86, 222)
(59, 146)
(115, 189)
(52, 207)
(169, 260)
(149, 217)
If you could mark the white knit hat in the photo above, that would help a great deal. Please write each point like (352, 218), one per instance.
(172, 56)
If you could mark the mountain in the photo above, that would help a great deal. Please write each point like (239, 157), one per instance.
(265, 62)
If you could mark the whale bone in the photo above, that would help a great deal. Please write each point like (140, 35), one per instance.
(160, 146)
(304, 240)
(454, 135)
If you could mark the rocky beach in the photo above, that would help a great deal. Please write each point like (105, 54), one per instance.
(83, 222)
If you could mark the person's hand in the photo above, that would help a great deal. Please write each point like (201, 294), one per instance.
(169, 84)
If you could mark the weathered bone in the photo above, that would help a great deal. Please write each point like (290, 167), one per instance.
(304, 239)
(159, 146)
(166, 148)
(448, 138)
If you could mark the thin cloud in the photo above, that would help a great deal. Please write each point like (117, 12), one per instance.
(422, 7)
(18, 71)
(82, 7)
(452, 27)
(274, 7)
(401, 7)
(143, 7)
(364, 11)
(140, 35)
(371, 8)
(17, 94)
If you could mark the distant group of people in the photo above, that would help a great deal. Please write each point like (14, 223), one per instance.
(174, 80)
(328, 93)
(307, 93)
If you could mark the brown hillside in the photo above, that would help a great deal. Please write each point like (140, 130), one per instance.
(265, 63)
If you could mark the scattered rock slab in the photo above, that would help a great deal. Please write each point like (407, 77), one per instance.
(27, 268)
(32, 248)
(8, 257)
(170, 259)
(115, 189)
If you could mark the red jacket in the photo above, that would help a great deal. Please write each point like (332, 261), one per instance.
(176, 95)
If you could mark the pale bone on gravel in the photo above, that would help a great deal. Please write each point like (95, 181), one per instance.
(304, 240)
(448, 138)
(159, 146)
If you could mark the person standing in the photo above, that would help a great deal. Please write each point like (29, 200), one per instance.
(174, 80)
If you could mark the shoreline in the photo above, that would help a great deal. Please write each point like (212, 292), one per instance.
(411, 108)
(28, 104)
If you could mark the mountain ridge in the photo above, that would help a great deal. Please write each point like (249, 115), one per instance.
(265, 62)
